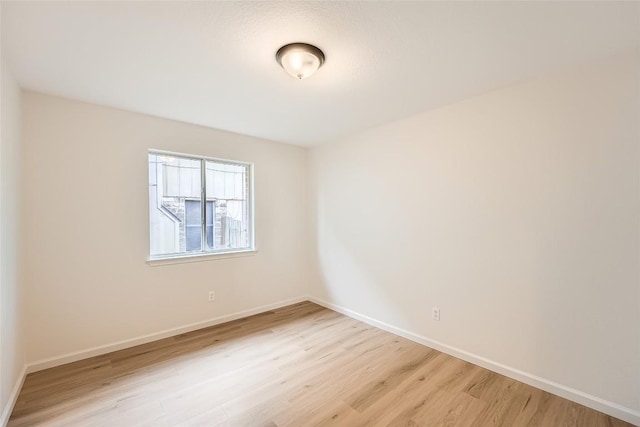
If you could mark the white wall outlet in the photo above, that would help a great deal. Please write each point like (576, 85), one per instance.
(212, 296)
(435, 313)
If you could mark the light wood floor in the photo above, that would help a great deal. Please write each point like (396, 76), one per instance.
(301, 365)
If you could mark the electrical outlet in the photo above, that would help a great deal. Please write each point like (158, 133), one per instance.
(212, 296)
(435, 313)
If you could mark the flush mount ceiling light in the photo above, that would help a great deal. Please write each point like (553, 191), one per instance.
(300, 60)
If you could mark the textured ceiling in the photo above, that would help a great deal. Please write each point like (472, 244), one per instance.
(212, 63)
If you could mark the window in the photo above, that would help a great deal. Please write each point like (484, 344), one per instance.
(198, 205)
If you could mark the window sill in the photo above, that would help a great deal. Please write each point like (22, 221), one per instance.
(182, 259)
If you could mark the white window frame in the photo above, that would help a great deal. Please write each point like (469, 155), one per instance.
(202, 255)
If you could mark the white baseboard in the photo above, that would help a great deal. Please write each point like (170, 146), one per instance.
(108, 348)
(13, 397)
(627, 414)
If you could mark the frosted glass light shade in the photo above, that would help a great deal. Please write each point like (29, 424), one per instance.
(300, 60)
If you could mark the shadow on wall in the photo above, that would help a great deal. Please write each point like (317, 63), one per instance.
(345, 278)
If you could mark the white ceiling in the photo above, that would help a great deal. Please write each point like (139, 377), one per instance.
(212, 63)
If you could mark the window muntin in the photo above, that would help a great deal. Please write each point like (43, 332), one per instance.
(179, 187)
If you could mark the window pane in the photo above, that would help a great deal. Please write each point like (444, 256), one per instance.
(227, 188)
(174, 181)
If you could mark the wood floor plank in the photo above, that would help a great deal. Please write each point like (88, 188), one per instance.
(388, 380)
(300, 365)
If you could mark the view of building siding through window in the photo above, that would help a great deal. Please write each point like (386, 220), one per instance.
(177, 222)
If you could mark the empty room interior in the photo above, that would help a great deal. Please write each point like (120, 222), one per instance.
(335, 213)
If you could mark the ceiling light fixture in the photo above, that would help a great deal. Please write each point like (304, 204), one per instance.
(300, 60)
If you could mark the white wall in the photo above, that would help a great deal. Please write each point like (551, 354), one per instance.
(86, 228)
(516, 212)
(12, 357)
